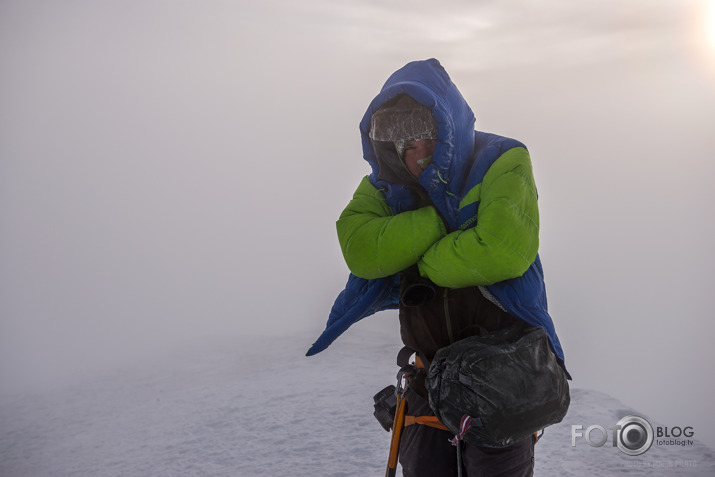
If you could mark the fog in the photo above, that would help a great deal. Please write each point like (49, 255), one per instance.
(171, 171)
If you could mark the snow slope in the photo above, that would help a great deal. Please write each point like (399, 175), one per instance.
(256, 406)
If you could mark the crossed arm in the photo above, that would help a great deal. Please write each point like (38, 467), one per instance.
(377, 243)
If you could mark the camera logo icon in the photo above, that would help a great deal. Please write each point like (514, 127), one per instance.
(634, 435)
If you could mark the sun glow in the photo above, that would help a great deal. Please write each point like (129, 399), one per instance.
(703, 38)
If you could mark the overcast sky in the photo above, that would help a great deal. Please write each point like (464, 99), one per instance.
(172, 170)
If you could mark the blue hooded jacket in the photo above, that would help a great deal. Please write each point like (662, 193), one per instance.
(446, 184)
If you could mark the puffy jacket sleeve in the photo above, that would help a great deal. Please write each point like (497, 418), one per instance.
(505, 240)
(377, 243)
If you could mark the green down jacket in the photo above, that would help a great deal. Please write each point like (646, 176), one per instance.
(377, 243)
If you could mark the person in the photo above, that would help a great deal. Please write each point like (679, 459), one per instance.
(445, 228)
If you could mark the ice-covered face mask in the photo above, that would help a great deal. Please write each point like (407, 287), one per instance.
(418, 155)
(423, 163)
(410, 130)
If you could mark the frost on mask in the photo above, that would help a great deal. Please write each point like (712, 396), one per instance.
(396, 123)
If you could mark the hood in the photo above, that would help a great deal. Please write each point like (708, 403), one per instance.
(429, 84)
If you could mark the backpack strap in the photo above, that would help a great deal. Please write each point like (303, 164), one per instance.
(430, 421)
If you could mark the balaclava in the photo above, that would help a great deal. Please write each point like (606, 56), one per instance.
(397, 122)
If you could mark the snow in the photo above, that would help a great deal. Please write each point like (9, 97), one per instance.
(254, 406)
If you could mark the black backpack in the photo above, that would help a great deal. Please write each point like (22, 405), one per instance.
(509, 383)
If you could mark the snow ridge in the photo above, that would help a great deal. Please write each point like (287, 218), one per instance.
(257, 406)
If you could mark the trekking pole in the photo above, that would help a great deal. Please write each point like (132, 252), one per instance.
(398, 424)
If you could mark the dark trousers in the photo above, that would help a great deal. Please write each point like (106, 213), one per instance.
(428, 452)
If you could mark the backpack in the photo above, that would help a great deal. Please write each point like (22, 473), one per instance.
(507, 386)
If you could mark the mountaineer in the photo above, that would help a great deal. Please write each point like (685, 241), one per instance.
(445, 228)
